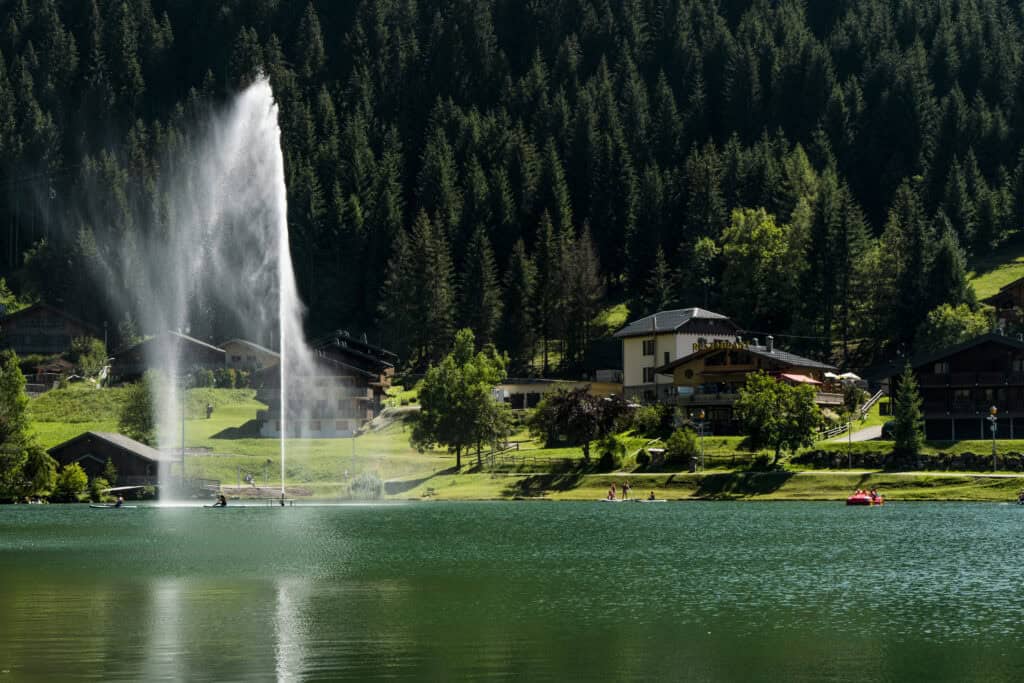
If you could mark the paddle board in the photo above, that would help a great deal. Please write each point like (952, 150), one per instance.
(112, 507)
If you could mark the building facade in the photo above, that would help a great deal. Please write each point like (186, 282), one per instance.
(960, 384)
(345, 391)
(42, 329)
(154, 354)
(662, 338)
(136, 463)
(709, 379)
(240, 354)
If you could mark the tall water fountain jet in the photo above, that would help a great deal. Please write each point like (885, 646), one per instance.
(217, 262)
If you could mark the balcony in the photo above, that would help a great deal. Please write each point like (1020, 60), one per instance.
(823, 398)
(971, 379)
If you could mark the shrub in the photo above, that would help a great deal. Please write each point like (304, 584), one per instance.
(653, 421)
(203, 378)
(72, 482)
(366, 486)
(643, 458)
(612, 452)
(110, 472)
(97, 489)
(225, 378)
(681, 446)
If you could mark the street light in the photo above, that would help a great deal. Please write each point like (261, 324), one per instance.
(992, 425)
(701, 427)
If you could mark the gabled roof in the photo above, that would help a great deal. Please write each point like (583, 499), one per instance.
(250, 344)
(669, 321)
(124, 443)
(782, 357)
(169, 334)
(53, 309)
(926, 358)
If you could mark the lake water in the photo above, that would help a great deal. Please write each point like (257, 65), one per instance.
(532, 591)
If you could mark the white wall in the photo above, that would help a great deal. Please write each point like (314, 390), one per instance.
(677, 345)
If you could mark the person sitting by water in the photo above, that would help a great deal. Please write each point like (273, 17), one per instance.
(1020, 497)
(651, 497)
(222, 502)
(120, 501)
(873, 493)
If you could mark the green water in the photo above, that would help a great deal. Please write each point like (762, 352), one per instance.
(531, 591)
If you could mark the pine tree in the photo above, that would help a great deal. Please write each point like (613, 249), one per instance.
(908, 432)
(397, 309)
(582, 272)
(432, 282)
(660, 294)
(517, 325)
(549, 293)
(311, 50)
(479, 293)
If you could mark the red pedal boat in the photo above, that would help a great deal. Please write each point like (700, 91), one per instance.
(865, 499)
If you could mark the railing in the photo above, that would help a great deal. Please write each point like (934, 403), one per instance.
(869, 404)
(971, 379)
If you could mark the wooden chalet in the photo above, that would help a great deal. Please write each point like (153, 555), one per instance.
(1008, 302)
(346, 390)
(42, 329)
(709, 379)
(136, 463)
(192, 354)
(959, 385)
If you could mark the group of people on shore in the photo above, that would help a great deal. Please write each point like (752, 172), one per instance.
(626, 488)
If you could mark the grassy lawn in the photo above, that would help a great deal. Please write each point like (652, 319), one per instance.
(992, 272)
(325, 467)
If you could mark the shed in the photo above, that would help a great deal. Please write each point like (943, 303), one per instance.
(136, 463)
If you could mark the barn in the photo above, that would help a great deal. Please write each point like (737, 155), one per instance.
(136, 463)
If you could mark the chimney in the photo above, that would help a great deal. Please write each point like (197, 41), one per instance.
(771, 343)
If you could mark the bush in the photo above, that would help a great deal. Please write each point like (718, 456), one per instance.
(612, 452)
(203, 378)
(681, 446)
(643, 458)
(653, 421)
(72, 482)
(225, 378)
(97, 490)
(366, 486)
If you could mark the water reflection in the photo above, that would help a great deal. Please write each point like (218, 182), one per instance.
(542, 592)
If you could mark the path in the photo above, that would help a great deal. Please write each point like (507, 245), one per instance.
(866, 434)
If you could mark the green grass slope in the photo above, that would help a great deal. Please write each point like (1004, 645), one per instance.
(990, 273)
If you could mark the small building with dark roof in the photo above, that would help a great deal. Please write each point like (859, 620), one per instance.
(709, 378)
(137, 464)
(42, 329)
(1008, 302)
(151, 354)
(661, 338)
(960, 384)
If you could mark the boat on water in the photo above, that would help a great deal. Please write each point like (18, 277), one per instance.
(111, 506)
(865, 499)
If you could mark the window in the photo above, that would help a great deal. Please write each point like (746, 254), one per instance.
(236, 359)
(314, 425)
(649, 347)
(1018, 364)
(666, 358)
(341, 425)
(942, 368)
(649, 374)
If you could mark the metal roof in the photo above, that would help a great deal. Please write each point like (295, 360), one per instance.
(250, 344)
(668, 321)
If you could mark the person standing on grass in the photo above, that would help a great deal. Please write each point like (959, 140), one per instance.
(625, 490)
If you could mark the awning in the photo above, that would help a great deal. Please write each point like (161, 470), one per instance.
(799, 379)
(831, 375)
(852, 376)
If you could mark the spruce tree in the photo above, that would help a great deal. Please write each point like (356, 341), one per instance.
(908, 432)
(479, 294)
(517, 325)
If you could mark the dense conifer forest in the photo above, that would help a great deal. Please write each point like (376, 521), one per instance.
(820, 170)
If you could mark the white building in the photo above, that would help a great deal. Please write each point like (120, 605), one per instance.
(661, 338)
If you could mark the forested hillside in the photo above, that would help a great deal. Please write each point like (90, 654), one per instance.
(815, 169)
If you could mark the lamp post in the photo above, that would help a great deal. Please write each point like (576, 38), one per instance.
(992, 425)
(701, 424)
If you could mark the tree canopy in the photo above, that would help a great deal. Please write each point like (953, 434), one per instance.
(777, 415)
(872, 144)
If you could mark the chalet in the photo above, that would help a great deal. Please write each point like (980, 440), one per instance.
(345, 391)
(660, 339)
(241, 354)
(709, 379)
(136, 463)
(191, 354)
(961, 383)
(1008, 302)
(42, 329)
